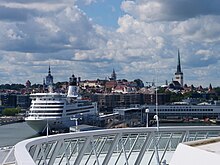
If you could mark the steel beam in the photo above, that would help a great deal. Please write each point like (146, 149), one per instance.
(143, 149)
(55, 152)
(82, 151)
(111, 149)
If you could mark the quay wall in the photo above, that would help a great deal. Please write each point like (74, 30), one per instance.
(11, 119)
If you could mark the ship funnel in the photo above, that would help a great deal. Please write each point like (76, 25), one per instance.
(73, 88)
(50, 89)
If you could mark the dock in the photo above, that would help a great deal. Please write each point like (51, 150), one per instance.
(11, 119)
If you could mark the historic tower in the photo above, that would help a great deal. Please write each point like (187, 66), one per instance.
(179, 73)
(113, 75)
(49, 78)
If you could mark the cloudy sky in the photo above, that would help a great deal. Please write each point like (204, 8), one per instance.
(88, 38)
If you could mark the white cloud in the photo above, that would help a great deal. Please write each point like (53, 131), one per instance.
(88, 2)
(85, 2)
(170, 10)
(46, 7)
(48, 24)
(145, 11)
(206, 29)
(67, 28)
(206, 54)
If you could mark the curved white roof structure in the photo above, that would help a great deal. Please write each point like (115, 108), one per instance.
(200, 152)
(110, 146)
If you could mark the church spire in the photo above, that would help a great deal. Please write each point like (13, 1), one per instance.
(114, 75)
(178, 65)
(179, 73)
(49, 78)
(49, 72)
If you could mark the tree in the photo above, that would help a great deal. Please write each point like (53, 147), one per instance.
(139, 83)
(10, 111)
(17, 86)
(12, 86)
(161, 90)
(175, 97)
(217, 91)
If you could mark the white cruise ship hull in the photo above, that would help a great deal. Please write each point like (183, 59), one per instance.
(54, 124)
(38, 125)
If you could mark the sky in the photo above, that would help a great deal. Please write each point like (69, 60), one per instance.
(90, 38)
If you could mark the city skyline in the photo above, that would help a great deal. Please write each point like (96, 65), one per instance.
(88, 38)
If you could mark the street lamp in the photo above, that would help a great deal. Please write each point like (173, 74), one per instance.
(147, 111)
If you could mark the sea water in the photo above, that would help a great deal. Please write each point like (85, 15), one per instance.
(11, 134)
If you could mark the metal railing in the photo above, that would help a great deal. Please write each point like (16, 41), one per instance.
(7, 155)
(110, 146)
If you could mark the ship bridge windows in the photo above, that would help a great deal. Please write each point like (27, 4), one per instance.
(73, 113)
(50, 115)
(70, 110)
(84, 104)
(46, 107)
(47, 99)
(35, 111)
(48, 103)
(182, 110)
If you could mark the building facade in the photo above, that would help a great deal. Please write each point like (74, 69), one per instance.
(107, 102)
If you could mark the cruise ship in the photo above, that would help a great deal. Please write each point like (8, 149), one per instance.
(55, 111)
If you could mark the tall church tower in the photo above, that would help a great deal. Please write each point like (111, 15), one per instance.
(49, 78)
(113, 75)
(179, 73)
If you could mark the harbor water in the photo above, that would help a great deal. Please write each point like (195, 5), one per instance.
(10, 134)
